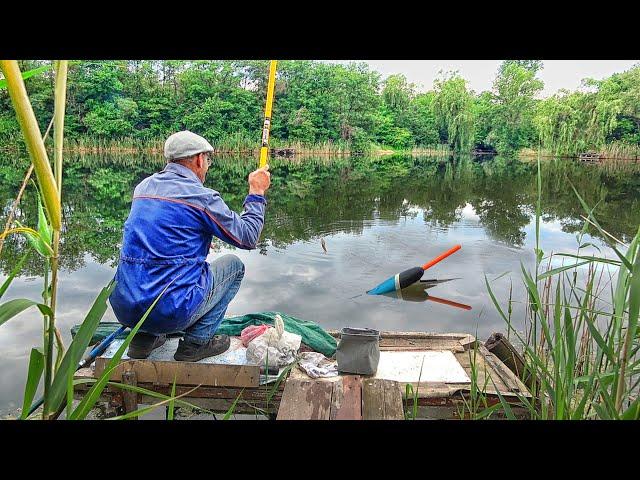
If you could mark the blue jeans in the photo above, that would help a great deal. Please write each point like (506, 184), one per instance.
(227, 272)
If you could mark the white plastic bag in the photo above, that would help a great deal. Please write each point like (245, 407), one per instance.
(316, 365)
(275, 346)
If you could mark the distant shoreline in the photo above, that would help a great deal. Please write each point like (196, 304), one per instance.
(99, 146)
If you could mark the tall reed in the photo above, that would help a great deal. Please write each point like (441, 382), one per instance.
(582, 345)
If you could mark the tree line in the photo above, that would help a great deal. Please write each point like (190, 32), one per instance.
(319, 102)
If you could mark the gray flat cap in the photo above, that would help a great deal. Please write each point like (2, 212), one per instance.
(185, 144)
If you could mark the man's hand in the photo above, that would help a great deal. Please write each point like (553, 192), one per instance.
(259, 181)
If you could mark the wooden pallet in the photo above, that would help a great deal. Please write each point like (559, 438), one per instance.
(328, 398)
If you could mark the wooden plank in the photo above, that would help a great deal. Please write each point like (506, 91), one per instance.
(483, 376)
(129, 398)
(456, 342)
(513, 383)
(500, 346)
(257, 394)
(486, 373)
(412, 335)
(393, 408)
(86, 372)
(305, 400)
(185, 373)
(373, 399)
(381, 400)
(346, 399)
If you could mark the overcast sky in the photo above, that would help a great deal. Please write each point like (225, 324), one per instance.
(555, 74)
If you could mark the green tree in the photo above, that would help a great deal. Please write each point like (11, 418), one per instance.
(397, 95)
(515, 88)
(484, 112)
(453, 109)
(421, 120)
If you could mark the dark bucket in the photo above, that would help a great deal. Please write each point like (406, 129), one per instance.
(358, 350)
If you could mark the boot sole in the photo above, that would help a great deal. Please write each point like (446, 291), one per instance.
(211, 353)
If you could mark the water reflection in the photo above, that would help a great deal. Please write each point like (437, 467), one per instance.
(418, 293)
(319, 197)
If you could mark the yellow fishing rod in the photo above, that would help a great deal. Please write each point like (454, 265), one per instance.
(264, 150)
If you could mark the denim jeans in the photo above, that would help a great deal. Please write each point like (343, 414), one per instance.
(227, 272)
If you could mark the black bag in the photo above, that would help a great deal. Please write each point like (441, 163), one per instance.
(358, 351)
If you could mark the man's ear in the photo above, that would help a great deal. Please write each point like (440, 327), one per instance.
(199, 160)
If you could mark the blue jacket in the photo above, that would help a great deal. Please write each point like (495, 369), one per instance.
(167, 237)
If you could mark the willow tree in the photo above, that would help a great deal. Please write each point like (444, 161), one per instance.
(570, 123)
(453, 109)
(622, 91)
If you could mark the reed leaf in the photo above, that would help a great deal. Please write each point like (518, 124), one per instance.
(27, 74)
(555, 271)
(227, 415)
(87, 403)
(36, 367)
(69, 374)
(632, 325)
(142, 411)
(46, 234)
(602, 231)
(601, 411)
(144, 391)
(505, 405)
(60, 96)
(14, 272)
(494, 300)
(172, 401)
(591, 259)
(10, 309)
(633, 411)
(77, 348)
(38, 243)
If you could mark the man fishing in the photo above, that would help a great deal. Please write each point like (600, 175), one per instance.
(166, 240)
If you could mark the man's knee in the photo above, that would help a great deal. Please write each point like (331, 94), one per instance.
(235, 264)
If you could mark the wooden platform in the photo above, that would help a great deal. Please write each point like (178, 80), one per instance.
(590, 157)
(348, 397)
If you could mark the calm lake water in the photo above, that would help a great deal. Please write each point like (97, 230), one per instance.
(377, 216)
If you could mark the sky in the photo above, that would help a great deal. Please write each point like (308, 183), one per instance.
(555, 74)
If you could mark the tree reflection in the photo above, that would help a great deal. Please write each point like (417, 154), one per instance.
(315, 197)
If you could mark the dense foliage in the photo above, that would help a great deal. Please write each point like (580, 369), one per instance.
(318, 102)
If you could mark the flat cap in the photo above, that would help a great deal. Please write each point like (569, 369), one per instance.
(185, 144)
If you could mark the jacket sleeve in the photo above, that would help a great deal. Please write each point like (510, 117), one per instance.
(242, 231)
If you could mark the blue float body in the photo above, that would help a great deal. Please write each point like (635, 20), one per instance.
(389, 285)
(398, 281)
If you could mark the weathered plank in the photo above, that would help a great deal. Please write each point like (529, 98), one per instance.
(456, 342)
(130, 398)
(305, 400)
(484, 379)
(346, 399)
(509, 378)
(381, 400)
(500, 346)
(185, 373)
(86, 372)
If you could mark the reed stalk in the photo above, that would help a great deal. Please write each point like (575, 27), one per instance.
(58, 139)
(33, 140)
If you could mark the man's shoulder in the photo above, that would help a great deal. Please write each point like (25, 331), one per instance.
(176, 187)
